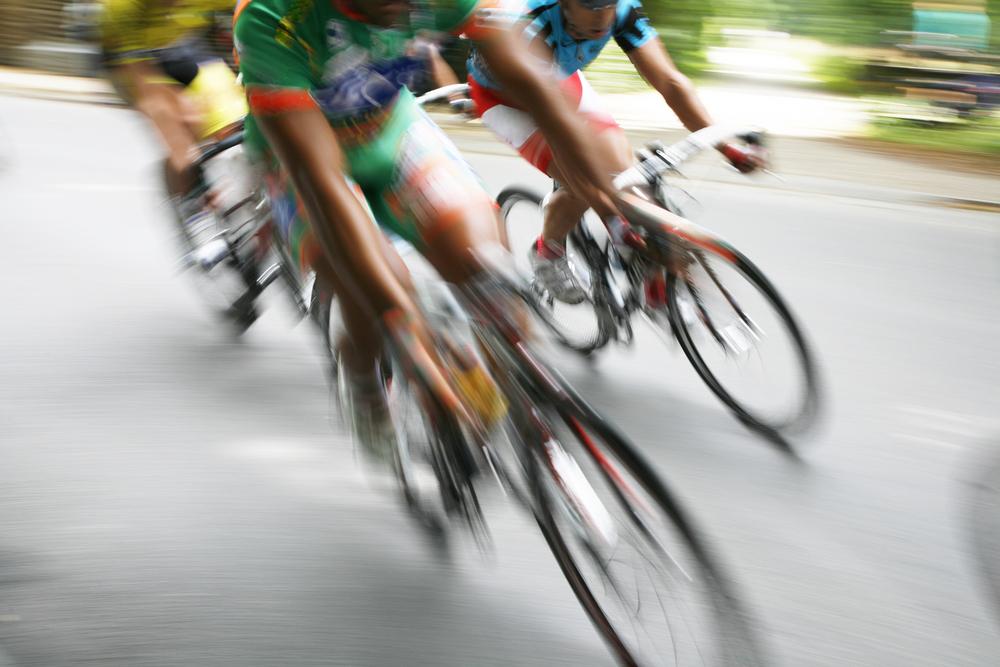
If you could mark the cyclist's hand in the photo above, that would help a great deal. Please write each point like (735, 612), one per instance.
(747, 159)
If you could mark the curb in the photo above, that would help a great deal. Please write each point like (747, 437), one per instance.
(42, 85)
(983, 205)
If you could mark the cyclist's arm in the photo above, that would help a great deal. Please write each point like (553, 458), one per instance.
(638, 39)
(655, 66)
(517, 70)
(441, 72)
(278, 77)
(309, 153)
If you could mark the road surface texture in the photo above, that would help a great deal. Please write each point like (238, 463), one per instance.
(170, 495)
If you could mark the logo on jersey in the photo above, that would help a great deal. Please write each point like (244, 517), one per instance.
(336, 35)
(368, 86)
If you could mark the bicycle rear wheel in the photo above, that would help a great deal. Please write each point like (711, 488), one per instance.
(743, 340)
(577, 326)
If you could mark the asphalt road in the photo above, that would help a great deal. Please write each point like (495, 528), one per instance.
(172, 496)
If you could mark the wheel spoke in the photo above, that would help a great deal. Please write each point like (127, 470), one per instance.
(742, 313)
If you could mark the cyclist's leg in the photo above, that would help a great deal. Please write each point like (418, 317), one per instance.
(145, 85)
(434, 200)
(358, 346)
(517, 129)
(362, 343)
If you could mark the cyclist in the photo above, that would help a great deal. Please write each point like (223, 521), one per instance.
(152, 52)
(154, 56)
(571, 34)
(327, 83)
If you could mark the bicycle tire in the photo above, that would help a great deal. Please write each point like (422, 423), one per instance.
(732, 633)
(566, 337)
(450, 454)
(809, 401)
(235, 304)
(537, 387)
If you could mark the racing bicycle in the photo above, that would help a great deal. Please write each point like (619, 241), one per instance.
(692, 286)
(230, 247)
(638, 565)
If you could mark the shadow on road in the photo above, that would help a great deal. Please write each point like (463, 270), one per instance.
(980, 508)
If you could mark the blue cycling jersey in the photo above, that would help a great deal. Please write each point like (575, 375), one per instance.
(631, 30)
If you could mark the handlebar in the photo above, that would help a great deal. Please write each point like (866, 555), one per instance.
(442, 93)
(657, 158)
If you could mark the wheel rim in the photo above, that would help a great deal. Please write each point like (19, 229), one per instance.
(743, 340)
(645, 586)
(577, 325)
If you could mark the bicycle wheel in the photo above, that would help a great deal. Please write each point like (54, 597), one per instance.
(435, 460)
(742, 339)
(627, 549)
(424, 464)
(218, 247)
(633, 558)
(579, 327)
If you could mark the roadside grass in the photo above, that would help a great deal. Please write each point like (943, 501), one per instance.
(978, 135)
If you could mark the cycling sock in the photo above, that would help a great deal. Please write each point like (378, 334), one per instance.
(549, 249)
(622, 233)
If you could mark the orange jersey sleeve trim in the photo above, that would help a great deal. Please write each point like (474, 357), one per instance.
(240, 6)
(279, 100)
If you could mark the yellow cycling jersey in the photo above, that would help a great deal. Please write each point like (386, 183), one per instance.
(131, 27)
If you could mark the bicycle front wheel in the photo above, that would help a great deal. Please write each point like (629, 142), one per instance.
(743, 340)
(632, 556)
(629, 552)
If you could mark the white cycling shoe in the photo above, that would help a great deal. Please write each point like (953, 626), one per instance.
(559, 277)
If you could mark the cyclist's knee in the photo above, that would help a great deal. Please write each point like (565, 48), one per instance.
(562, 205)
(456, 247)
(615, 148)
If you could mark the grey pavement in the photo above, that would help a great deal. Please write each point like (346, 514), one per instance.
(172, 496)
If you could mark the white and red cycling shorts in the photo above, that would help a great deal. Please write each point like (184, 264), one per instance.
(517, 128)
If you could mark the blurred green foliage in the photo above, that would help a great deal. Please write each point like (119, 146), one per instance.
(838, 73)
(683, 23)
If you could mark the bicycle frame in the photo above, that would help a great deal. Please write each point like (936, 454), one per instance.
(644, 204)
(251, 240)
